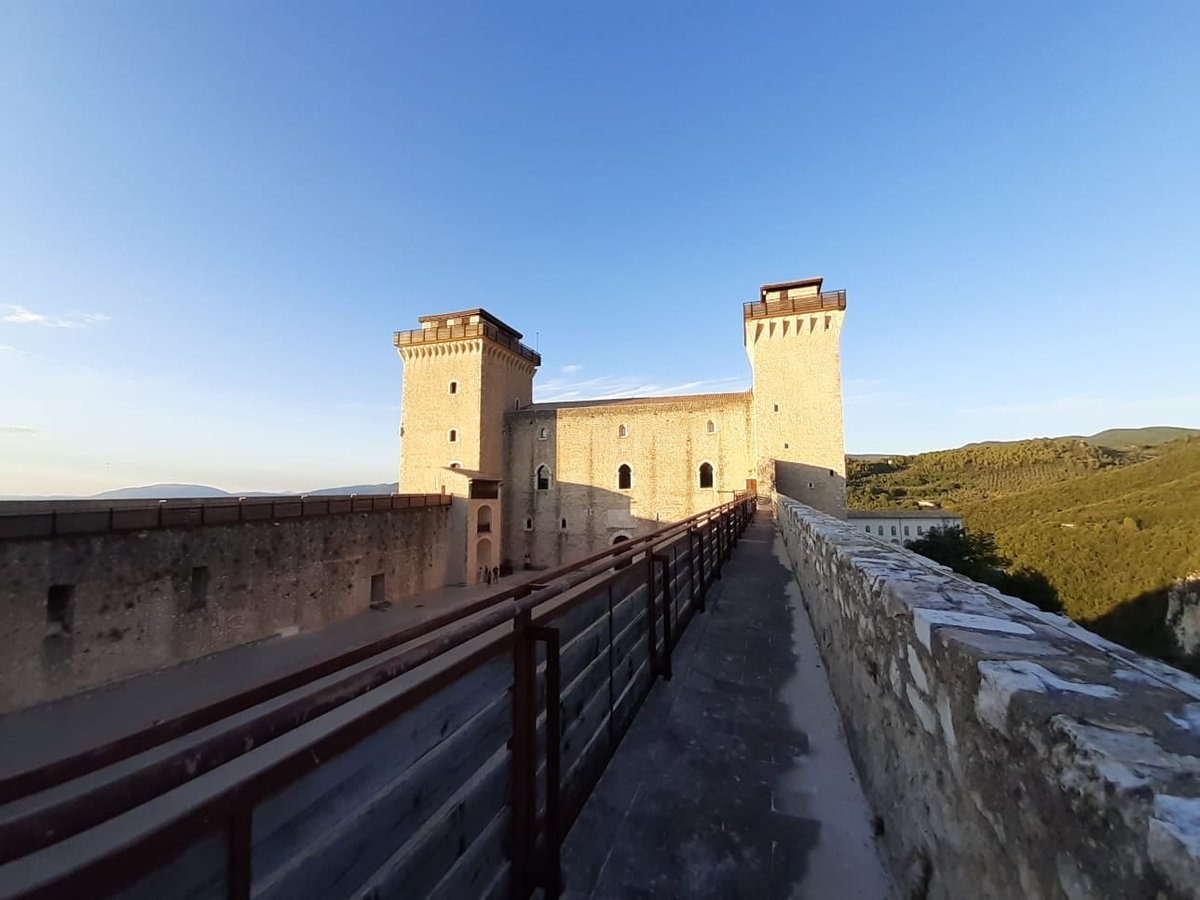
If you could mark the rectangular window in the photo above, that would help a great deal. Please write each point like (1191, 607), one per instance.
(199, 593)
(60, 609)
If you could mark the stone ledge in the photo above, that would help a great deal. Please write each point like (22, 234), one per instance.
(1007, 751)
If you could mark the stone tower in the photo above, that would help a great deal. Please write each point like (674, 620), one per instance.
(792, 336)
(462, 371)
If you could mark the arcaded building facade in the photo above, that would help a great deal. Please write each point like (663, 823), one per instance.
(540, 484)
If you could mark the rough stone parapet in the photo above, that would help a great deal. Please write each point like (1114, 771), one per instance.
(1008, 752)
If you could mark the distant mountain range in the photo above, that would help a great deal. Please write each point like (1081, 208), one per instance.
(1113, 438)
(200, 491)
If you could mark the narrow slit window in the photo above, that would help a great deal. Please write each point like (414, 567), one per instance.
(624, 476)
(454, 387)
(199, 592)
(529, 523)
(622, 431)
(453, 436)
(60, 609)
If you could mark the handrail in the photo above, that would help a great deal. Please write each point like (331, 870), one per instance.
(827, 300)
(168, 827)
(42, 777)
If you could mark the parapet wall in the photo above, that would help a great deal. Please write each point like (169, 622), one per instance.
(1007, 752)
(151, 585)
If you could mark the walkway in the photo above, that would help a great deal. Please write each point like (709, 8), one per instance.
(734, 779)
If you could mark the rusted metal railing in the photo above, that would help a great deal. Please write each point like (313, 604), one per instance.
(102, 821)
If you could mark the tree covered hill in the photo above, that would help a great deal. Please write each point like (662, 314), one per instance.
(1110, 529)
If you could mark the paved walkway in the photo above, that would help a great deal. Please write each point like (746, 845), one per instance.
(734, 779)
(56, 730)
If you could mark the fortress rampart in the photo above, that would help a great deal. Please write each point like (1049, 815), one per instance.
(92, 592)
(1008, 752)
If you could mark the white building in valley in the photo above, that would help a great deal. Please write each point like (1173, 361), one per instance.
(899, 526)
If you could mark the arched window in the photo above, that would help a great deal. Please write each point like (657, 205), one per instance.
(712, 427)
(484, 522)
(706, 475)
(529, 523)
(454, 387)
(543, 434)
(453, 436)
(620, 539)
(455, 464)
(562, 525)
(622, 431)
(624, 477)
(543, 478)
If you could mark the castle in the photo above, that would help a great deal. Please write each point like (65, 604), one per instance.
(540, 484)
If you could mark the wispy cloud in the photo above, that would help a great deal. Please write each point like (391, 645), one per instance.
(620, 387)
(572, 369)
(18, 431)
(19, 315)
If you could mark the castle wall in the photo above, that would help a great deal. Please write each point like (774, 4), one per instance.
(667, 441)
(1007, 751)
(79, 610)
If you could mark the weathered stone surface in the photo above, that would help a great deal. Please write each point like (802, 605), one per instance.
(1007, 751)
(142, 600)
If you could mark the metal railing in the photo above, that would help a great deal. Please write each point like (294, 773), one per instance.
(827, 300)
(67, 842)
(463, 332)
(139, 515)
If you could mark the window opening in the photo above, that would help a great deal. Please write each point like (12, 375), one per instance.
(543, 478)
(60, 608)
(706, 475)
(624, 477)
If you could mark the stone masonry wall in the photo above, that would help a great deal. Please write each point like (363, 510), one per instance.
(666, 441)
(1007, 752)
(79, 611)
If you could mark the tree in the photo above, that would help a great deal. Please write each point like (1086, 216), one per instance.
(973, 553)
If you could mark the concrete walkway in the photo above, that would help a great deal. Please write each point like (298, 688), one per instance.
(734, 779)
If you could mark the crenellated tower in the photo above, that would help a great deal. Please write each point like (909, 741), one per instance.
(793, 337)
(462, 371)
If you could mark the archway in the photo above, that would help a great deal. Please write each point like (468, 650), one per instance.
(484, 521)
(483, 553)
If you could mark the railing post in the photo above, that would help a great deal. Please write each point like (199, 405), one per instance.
(524, 760)
(666, 608)
(240, 850)
(695, 551)
(651, 631)
(551, 868)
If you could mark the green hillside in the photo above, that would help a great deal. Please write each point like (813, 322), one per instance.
(1110, 529)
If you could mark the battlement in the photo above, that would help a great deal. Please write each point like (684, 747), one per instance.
(788, 297)
(464, 325)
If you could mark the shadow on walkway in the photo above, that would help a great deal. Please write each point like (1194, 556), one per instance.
(734, 780)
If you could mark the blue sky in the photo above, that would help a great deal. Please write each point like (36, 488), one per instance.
(213, 215)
